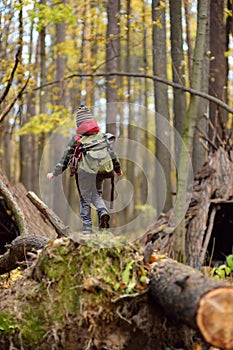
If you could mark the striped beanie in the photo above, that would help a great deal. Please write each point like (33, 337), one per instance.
(82, 114)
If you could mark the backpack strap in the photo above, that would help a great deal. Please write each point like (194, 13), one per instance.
(112, 192)
(76, 157)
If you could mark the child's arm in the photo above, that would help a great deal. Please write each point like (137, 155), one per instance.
(63, 163)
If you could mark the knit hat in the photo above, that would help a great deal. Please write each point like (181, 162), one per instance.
(83, 114)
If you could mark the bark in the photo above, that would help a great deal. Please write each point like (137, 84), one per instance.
(189, 131)
(145, 103)
(218, 67)
(31, 111)
(58, 203)
(29, 219)
(90, 311)
(163, 137)
(17, 253)
(87, 51)
(214, 184)
(178, 72)
(13, 205)
(42, 77)
(112, 63)
(59, 226)
(199, 152)
(130, 166)
(188, 296)
(187, 6)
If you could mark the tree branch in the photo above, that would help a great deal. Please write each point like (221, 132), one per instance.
(59, 226)
(144, 76)
(9, 83)
(10, 105)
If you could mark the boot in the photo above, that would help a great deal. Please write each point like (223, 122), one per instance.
(104, 221)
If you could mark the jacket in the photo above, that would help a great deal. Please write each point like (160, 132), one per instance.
(88, 127)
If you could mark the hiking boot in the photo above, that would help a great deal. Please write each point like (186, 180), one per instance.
(104, 221)
(86, 230)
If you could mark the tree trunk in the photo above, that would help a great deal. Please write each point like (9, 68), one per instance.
(218, 67)
(185, 167)
(187, 6)
(101, 305)
(58, 203)
(130, 169)
(215, 181)
(178, 71)
(112, 63)
(199, 152)
(198, 301)
(163, 137)
(13, 205)
(42, 77)
(87, 52)
(27, 217)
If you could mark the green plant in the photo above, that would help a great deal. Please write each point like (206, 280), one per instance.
(223, 270)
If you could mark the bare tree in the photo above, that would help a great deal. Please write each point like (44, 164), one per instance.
(112, 63)
(178, 71)
(189, 131)
(161, 103)
(218, 67)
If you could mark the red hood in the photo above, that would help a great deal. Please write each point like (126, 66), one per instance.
(88, 127)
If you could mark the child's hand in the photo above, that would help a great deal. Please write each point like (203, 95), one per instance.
(120, 173)
(50, 176)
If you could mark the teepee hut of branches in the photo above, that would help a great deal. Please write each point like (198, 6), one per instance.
(209, 219)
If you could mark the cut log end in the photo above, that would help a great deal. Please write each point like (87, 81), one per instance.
(215, 317)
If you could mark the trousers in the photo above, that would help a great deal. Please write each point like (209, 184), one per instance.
(90, 188)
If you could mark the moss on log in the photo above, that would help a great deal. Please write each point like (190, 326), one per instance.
(77, 297)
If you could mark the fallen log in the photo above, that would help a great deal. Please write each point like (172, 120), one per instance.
(26, 216)
(13, 205)
(80, 297)
(201, 302)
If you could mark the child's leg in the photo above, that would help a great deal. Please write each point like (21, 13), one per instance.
(85, 188)
(102, 211)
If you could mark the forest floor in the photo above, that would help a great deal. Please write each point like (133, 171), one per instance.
(136, 311)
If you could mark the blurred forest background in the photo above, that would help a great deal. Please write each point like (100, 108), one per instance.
(144, 67)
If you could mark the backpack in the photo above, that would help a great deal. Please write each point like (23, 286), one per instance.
(93, 154)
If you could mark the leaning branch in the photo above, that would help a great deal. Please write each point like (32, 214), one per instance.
(10, 80)
(11, 105)
(57, 223)
(144, 76)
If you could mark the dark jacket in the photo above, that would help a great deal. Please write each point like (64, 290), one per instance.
(88, 127)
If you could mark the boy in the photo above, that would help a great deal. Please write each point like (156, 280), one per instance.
(89, 185)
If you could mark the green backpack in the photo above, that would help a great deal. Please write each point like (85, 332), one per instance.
(96, 153)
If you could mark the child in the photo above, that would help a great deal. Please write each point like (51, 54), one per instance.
(89, 185)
